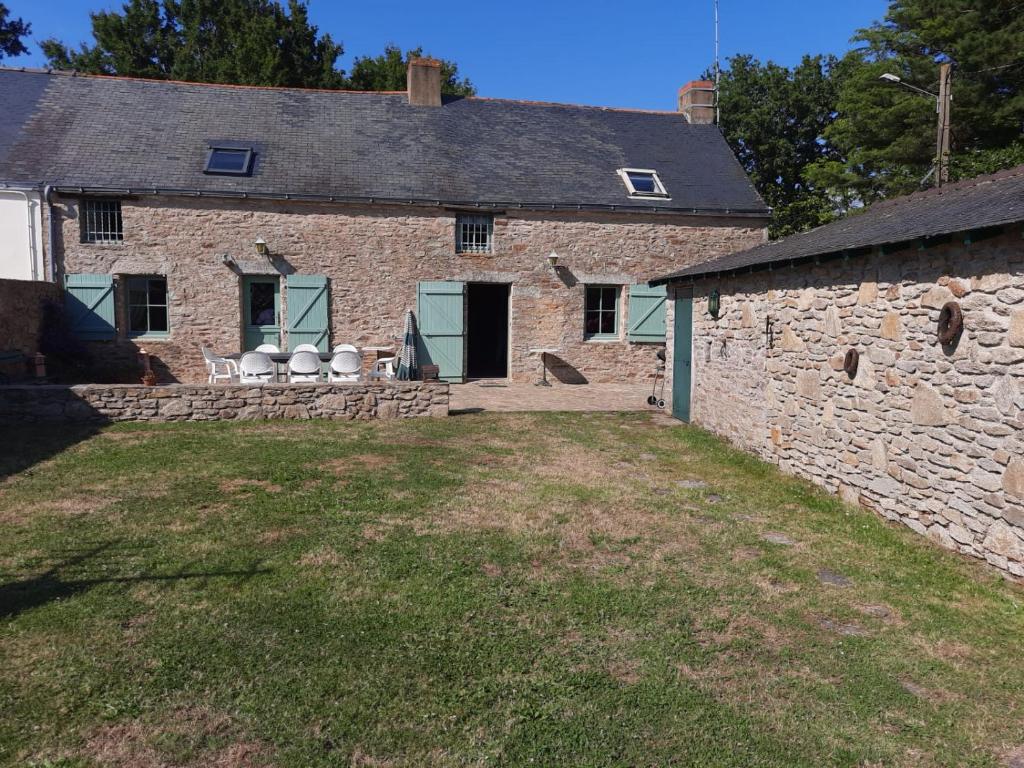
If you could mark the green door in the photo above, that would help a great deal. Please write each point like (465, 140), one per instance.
(261, 311)
(308, 311)
(681, 358)
(440, 307)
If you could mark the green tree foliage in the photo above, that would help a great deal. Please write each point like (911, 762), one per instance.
(774, 118)
(247, 42)
(11, 32)
(387, 73)
(886, 133)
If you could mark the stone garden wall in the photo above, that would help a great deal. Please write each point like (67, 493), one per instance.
(928, 435)
(222, 402)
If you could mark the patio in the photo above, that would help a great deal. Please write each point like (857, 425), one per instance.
(508, 397)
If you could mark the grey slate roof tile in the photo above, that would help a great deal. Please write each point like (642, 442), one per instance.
(122, 133)
(987, 201)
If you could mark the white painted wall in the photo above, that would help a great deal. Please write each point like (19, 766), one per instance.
(21, 241)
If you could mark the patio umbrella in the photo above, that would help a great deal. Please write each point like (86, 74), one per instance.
(407, 361)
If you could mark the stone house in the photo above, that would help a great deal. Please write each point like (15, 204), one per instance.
(822, 353)
(178, 215)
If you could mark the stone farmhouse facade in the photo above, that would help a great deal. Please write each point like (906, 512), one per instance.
(824, 357)
(185, 215)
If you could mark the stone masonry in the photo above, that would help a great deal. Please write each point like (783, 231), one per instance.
(21, 303)
(374, 256)
(222, 402)
(927, 435)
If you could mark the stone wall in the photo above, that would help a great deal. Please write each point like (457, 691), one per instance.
(222, 402)
(374, 257)
(928, 435)
(21, 303)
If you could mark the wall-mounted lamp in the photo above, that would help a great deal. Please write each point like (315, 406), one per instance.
(261, 247)
(714, 303)
(553, 260)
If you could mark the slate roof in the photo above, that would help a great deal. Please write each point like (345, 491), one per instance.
(980, 203)
(122, 133)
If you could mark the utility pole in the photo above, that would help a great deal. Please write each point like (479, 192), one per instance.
(943, 106)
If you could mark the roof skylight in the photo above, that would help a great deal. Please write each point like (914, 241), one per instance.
(642, 182)
(229, 161)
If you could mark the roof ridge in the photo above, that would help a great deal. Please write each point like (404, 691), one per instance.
(957, 186)
(240, 86)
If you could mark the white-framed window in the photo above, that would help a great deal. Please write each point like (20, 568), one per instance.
(474, 233)
(101, 220)
(642, 182)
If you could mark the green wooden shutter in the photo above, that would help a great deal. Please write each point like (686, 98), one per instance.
(89, 303)
(442, 330)
(308, 314)
(646, 313)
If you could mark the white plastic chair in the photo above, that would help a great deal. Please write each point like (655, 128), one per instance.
(268, 348)
(307, 348)
(304, 367)
(213, 362)
(255, 368)
(345, 348)
(346, 365)
(384, 368)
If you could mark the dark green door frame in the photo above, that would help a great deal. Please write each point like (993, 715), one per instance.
(682, 356)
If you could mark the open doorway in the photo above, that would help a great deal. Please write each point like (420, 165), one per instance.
(487, 330)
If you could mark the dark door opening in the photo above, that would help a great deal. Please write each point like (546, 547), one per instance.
(487, 331)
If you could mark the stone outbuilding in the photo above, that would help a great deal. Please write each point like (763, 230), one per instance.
(881, 356)
(181, 215)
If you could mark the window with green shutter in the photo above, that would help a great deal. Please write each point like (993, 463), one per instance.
(89, 303)
(646, 313)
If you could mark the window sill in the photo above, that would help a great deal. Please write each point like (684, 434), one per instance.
(149, 337)
(601, 339)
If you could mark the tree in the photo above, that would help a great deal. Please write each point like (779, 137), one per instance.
(387, 73)
(11, 32)
(246, 42)
(886, 133)
(774, 118)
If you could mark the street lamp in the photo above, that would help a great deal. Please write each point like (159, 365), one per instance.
(943, 105)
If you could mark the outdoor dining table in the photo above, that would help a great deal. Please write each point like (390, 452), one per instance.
(281, 358)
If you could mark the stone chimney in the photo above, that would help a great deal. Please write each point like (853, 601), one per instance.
(697, 102)
(423, 80)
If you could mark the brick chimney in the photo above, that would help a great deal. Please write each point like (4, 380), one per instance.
(697, 102)
(423, 80)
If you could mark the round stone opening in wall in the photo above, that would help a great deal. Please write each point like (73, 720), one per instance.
(951, 323)
(850, 362)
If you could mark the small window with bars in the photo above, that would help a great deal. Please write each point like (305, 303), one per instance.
(101, 221)
(147, 306)
(474, 234)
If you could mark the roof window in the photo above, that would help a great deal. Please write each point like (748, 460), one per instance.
(642, 182)
(229, 161)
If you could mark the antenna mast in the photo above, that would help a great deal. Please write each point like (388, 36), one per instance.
(718, 71)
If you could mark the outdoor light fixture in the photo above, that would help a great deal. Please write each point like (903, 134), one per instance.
(261, 247)
(889, 77)
(714, 303)
(553, 260)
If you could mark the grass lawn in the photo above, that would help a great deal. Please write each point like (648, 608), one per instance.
(546, 590)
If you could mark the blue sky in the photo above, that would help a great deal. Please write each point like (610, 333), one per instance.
(581, 51)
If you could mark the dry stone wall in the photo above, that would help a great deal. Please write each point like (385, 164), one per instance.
(222, 402)
(926, 434)
(374, 256)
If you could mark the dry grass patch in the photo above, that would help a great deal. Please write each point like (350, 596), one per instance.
(321, 557)
(204, 738)
(241, 484)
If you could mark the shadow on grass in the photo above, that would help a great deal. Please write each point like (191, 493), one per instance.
(22, 594)
(25, 445)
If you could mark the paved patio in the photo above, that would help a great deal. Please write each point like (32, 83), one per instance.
(503, 396)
